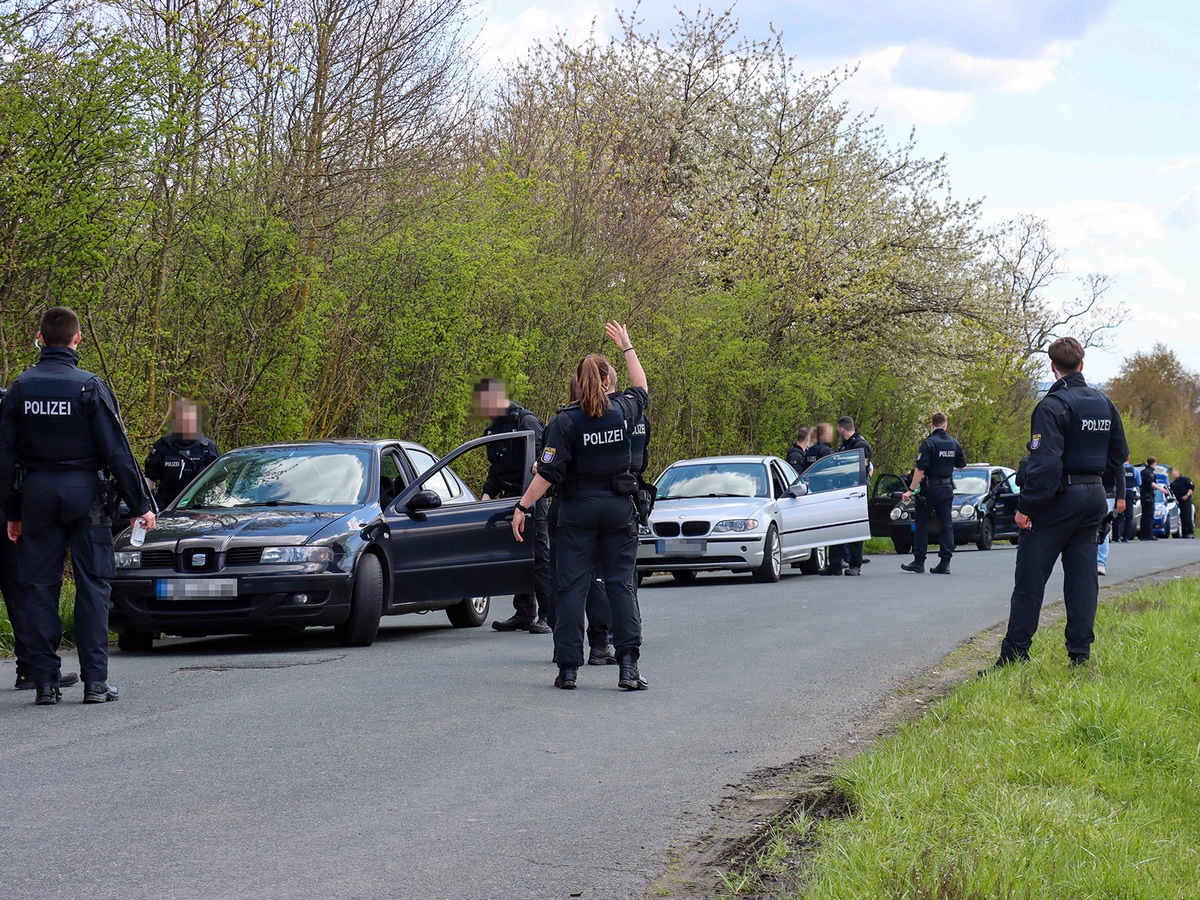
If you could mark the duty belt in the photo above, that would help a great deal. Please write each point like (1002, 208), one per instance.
(939, 481)
(1082, 479)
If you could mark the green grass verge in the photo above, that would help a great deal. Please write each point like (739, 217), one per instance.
(879, 545)
(66, 608)
(1039, 781)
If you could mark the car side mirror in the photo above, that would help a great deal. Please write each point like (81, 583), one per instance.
(423, 500)
(799, 489)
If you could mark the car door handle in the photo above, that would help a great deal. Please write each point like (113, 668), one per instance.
(856, 495)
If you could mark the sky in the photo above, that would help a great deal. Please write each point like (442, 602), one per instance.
(1085, 113)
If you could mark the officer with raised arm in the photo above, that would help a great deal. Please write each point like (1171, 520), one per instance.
(61, 428)
(1076, 436)
(937, 458)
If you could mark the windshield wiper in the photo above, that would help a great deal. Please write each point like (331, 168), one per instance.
(703, 496)
(267, 503)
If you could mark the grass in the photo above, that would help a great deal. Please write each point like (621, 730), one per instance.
(1039, 781)
(66, 609)
(879, 545)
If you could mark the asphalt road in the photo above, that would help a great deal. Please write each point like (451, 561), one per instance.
(440, 763)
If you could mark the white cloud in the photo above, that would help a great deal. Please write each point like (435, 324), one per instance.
(1187, 214)
(1177, 165)
(1119, 224)
(1142, 276)
(509, 29)
(943, 68)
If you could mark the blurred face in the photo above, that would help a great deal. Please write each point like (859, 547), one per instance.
(492, 402)
(186, 421)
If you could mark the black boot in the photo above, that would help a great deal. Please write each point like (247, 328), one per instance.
(100, 692)
(47, 694)
(913, 566)
(566, 678)
(25, 682)
(1009, 654)
(602, 656)
(942, 568)
(631, 679)
(539, 627)
(513, 623)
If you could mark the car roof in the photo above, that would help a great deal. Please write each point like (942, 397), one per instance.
(709, 460)
(360, 443)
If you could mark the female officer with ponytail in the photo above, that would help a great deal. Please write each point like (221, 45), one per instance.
(586, 455)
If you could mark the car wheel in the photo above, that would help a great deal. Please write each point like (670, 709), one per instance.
(902, 545)
(135, 641)
(684, 577)
(470, 613)
(817, 560)
(987, 529)
(366, 605)
(772, 563)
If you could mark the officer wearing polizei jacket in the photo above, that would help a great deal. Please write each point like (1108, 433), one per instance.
(587, 453)
(506, 478)
(1077, 436)
(10, 591)
(177, 458)
(798, 450)
(61, 426)
(851, 554)
(1133, 488)
(1150, 488)
(937, 458)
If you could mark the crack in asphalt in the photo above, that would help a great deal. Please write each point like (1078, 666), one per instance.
(278, 665)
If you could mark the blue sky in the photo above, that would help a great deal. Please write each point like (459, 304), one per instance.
(1086, 113)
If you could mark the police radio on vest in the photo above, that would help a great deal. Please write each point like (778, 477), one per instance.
(612, 436)
(47, 407)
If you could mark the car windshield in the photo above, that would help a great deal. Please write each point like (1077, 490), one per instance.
(970, 482)
(282, 476)
(714, 480)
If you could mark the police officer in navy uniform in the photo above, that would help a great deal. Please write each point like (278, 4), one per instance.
(1150, 489)
(1183, 488)
(177, 458)
(822, 438)
(587, 453)
(798, 450)
(61, 427)
(506, 478)
(939, 455)
(1133, 488)
(850, 554)
(1077, 436)
(10, 591)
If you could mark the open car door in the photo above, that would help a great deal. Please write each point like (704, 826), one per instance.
(883, 501)
(446, 547)
(830, 501)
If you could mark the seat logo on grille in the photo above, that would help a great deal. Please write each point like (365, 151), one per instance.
(199, 558)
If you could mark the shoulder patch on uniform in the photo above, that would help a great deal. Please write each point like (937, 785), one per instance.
(548, 455)
(1035, 442)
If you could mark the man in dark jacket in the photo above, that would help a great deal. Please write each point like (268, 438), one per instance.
(850, 554)
(1183, 488)
(177, 458)
(796, 452)
(1150, 491)
(507, 477)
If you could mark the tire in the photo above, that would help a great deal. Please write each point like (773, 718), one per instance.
(817, 560)
(772, 564)
(135, 641)
(685, 576)
(902, 545)
(366, 605)
(470, 613)
(987, 533)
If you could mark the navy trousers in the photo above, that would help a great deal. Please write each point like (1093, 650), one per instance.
(58, 512)
(12, 601)
(596, 537)
(1068, 530)
(939, 501)
(599, 634)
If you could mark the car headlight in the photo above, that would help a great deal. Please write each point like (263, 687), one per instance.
(296, 555)
(129, 559)
(643, 530)
(897, 512)
(966, 511)
(738, 525)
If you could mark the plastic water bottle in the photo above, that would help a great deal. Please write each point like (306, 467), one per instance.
(139, 533)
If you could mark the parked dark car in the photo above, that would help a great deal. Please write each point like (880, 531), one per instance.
(985, 508)
(285, 536)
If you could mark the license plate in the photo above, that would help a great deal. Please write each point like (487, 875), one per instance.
(196, 588)
(676, 547)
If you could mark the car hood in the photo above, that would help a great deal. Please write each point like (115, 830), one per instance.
(222, 527)
(707, 508)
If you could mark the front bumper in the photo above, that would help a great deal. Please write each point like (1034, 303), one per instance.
(965, 530)
(263, 600)
(738, 552)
